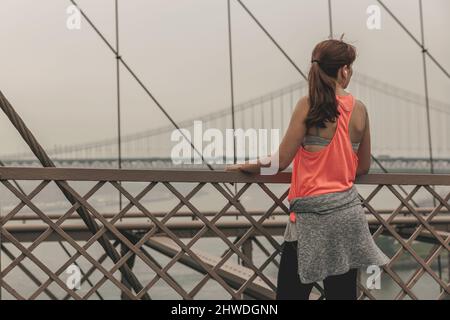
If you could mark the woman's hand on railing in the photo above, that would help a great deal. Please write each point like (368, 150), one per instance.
(244, 167)
(233, 167)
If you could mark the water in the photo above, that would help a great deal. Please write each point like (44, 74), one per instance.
(160, 199)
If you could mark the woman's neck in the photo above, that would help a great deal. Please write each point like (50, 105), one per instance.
(340, 91)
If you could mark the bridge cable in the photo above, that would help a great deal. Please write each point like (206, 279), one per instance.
(272, 39)
(330, 18)
(61, 244)
(143, 86)
(133, 74)
(36, 281)
(409, 33)
(425, 78)
(118, 89)
(233, 116)
(84, 214)
(230, 50)
(427, 101)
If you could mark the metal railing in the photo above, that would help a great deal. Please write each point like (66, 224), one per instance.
(183, 232)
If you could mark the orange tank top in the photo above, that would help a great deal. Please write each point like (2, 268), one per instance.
(331, 169)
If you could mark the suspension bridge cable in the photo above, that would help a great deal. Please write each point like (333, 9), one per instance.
(230, 51)
(425, 80)
(427, 103)
(233, 117)
(330, 18)
(409, 33)
(118, 89)
(61, 244)
(138, 80)
(143, 86)
(84, 214)
(427, 99)
(272, 39)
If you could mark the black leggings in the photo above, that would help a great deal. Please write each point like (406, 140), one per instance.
(340, 287)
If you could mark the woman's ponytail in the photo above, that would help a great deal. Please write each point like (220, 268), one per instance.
(327, 58)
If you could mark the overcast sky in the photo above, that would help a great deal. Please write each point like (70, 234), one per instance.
(62, 82)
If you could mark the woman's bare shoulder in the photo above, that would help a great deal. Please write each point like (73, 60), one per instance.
(360, 109)
(302, 106)
(359, 115)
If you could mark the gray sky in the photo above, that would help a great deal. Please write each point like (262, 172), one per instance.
(62, 82)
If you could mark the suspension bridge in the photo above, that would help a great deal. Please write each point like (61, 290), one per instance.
(136, 233)
(399, 135)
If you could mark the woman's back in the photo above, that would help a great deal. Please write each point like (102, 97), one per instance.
(317, 138)
(329, 164)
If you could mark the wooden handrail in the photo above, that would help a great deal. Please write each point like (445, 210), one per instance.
(184, 175)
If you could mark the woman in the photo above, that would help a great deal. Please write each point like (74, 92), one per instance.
(327, 238)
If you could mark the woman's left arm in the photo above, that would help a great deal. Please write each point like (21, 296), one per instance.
(289, 144)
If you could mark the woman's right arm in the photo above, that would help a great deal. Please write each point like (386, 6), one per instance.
(364, 151)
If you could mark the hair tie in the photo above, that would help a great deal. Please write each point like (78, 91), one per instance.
(318, 62)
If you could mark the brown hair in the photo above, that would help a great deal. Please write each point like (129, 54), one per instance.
(327, 58)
